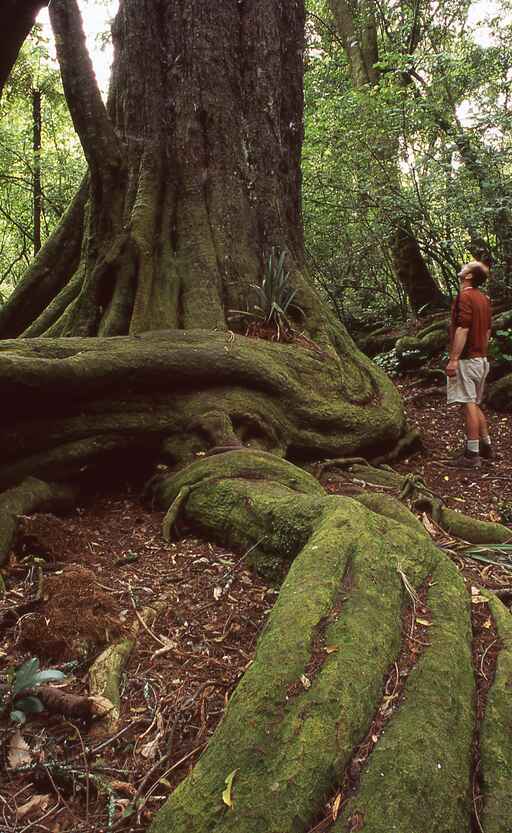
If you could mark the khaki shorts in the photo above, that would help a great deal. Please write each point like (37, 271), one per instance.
(468, 384)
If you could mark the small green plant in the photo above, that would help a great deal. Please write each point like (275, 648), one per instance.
(23, 681)
(274, 295)
(498, 554)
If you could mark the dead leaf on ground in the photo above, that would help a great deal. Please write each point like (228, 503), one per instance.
(19, 753)
(100, 706)
(36, 804)
(429, 526)
(123, 787)
(150, 749)
(336, 807)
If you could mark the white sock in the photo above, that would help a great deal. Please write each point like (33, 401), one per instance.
(486, 439)
(473, 445)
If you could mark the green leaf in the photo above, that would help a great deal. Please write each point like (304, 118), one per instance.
(226, 795)
(18, 716)
(30, 705)
(25, 675)
(49, 674)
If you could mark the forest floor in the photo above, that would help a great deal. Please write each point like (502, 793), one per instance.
(103, 567)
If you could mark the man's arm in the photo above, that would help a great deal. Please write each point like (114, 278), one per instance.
(459, 341)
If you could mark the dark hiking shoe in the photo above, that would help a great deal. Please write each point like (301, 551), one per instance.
(486, 451)
(467, 460)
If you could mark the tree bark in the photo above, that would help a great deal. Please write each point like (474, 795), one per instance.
(16, 20)
(172, 395)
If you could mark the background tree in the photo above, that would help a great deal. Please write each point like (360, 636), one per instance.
(358, 28)
(35, 185)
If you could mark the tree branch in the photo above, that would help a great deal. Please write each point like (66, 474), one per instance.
(16, 20)
(89, 115)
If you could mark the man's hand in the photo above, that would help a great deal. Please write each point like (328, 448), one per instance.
(451, 367)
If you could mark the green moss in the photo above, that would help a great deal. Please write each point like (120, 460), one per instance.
(473, 530)
(417, 777)
(289, 745)
(279, 397)
(496, 731)
(249, 465)
(412, 350)
(391, 507)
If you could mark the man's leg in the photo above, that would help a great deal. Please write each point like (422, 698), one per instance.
(485, 446)
(469, 457)
(473, 421)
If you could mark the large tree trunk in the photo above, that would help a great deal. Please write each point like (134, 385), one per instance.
(194, 177)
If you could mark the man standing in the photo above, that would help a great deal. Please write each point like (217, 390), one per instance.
(468, 367)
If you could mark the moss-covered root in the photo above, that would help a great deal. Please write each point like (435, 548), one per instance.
(391, 507)
(106, 670)
(219, 499)
(455, 523)
(104, 681)
(30, 496)
(473, 530)
(418, 776)
(496, 732)
(245, 464)
(311, 691)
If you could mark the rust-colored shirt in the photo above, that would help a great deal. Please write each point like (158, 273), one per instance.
(472, 311)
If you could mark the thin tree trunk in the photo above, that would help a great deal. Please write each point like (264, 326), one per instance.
(36, 182)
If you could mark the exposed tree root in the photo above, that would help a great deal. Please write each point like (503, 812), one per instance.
(176, 394)
(104, 681)
(58, 701)
(300, 710)
(412, 489)
(105, 676)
